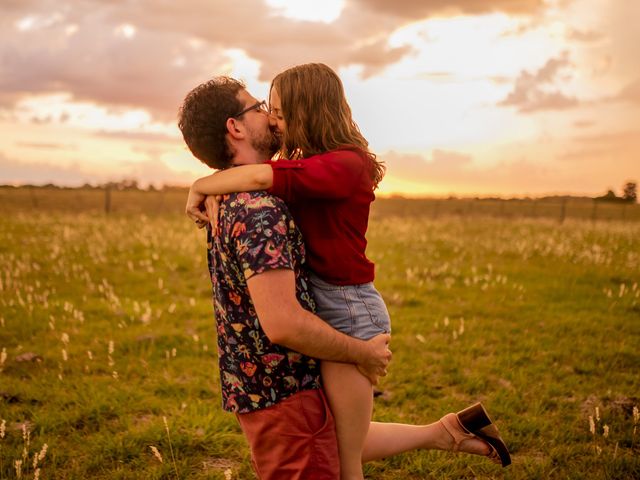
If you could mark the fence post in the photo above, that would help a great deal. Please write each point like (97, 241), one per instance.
(563, 210)
(107, 199)
(32, 194)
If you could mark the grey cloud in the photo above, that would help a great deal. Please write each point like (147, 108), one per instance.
(94, 65)
(156, 172)
(533, 91)
(451, 171)
(587, 36)
(46, 146)
(442, 166)
(600, 150)
(40, 173)
(457, 171)
(423, 8)
(622, 139)
(155, 68)
(584, 123)
(631, 92)
(141, 136)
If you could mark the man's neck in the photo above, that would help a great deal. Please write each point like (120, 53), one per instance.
(247, 158)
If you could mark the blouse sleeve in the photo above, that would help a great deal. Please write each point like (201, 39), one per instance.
(332, 175)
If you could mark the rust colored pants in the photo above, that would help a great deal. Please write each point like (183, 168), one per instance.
(294, 439)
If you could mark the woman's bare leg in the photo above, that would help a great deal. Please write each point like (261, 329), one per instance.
(388, 439)
(350, 396)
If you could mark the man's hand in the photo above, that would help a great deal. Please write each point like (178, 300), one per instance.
(375, 364)
(195, 208)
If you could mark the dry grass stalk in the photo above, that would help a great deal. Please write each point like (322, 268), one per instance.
(173, 458)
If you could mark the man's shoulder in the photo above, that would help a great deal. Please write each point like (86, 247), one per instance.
(253, 208)
(244, 203)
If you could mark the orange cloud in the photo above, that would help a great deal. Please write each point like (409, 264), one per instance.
(631, 92)
(168, 47)
(423, 9)
(531, 91)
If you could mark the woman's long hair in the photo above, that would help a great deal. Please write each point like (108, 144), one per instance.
(318, 117)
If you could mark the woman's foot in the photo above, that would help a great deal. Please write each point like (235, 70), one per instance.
(460, 440)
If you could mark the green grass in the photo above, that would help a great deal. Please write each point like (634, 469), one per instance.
(538, 320)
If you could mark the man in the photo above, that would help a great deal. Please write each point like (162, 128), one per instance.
(268, 338)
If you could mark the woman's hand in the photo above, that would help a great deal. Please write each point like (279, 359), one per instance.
(212, 204)
(195, 208)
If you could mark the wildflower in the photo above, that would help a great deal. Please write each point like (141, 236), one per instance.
(36, 474)
(636, 415)
(111, 347)
(227, 474)
(18, 466)
(420, 338)
(592, 425)
(65, 338)
(3, 428)
(605, 431)
(65, 357)
(3, 357)
(43, 452)
(156, 453)
(597, 414)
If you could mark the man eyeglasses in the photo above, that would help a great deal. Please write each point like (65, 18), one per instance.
(258, 106)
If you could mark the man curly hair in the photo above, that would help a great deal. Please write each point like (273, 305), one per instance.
(202, 120)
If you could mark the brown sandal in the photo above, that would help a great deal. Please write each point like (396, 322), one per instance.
(476, 423)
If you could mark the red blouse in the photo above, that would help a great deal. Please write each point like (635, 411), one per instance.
(329, 196)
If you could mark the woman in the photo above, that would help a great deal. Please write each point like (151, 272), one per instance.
(328, 180)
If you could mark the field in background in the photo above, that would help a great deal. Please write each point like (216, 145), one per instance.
(172, 201)
(106, 332)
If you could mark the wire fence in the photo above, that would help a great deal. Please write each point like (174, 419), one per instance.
(111, 201)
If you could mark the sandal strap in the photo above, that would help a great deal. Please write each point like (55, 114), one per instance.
(449, 422)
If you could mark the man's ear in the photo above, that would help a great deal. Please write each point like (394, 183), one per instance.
(235, 128)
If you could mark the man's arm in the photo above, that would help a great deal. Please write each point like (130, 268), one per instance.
(286, 323)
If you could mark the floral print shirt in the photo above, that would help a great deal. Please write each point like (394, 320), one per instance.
(255, 233)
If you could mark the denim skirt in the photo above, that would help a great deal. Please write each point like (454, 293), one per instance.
(357, 310)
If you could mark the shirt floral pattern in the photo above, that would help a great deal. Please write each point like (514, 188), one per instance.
(255, 233)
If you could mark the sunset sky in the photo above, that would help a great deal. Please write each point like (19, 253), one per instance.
(461, 97)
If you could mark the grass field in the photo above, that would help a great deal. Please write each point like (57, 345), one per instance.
(107, 343)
